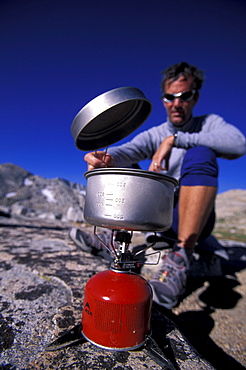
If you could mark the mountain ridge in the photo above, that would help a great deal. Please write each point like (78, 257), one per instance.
(27, 195)
(24, 194)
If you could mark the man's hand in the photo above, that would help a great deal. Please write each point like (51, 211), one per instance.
(99, 159)
(162, 153)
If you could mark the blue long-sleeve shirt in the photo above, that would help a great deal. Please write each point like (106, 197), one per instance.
(210, 131)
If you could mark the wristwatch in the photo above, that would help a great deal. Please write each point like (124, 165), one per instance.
(175, 139)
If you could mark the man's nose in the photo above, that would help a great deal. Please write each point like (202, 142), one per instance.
(177, 102)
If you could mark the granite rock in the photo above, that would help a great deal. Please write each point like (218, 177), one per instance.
(43, 276)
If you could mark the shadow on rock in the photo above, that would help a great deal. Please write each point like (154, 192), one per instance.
(197, 325)
(220, 291)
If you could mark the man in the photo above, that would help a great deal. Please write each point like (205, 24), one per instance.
(184, 147)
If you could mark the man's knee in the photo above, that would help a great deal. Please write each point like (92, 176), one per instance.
(199, 167)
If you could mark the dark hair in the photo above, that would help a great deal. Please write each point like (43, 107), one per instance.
(182, 69)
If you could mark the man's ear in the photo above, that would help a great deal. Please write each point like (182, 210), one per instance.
(196, 98)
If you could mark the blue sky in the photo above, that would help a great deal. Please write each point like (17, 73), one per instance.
(57, 55)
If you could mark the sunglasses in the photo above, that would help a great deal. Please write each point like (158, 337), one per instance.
(186, 96)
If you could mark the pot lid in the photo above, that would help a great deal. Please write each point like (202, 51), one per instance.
(109, 118)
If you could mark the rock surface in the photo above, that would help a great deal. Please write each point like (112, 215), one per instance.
(43, 276)
(231, 211)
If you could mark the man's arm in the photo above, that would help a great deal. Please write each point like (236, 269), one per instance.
(225, 139)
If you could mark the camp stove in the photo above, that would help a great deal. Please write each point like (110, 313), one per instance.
(117, 302)
(117, 307)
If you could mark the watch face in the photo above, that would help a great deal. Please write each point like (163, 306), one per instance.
(175, 138)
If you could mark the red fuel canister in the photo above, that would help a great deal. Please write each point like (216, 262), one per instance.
(117, 310)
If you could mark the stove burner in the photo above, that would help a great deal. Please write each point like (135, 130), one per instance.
(124, 258)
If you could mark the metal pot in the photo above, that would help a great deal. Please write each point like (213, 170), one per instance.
(130, 199)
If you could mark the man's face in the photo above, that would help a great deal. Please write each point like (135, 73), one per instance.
(178, 111)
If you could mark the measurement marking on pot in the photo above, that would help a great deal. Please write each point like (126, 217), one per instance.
(100, 204)
(109, 199)
(100, 194)
(120, 200)
(118, 217)
(108, 202)
(121, 184)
